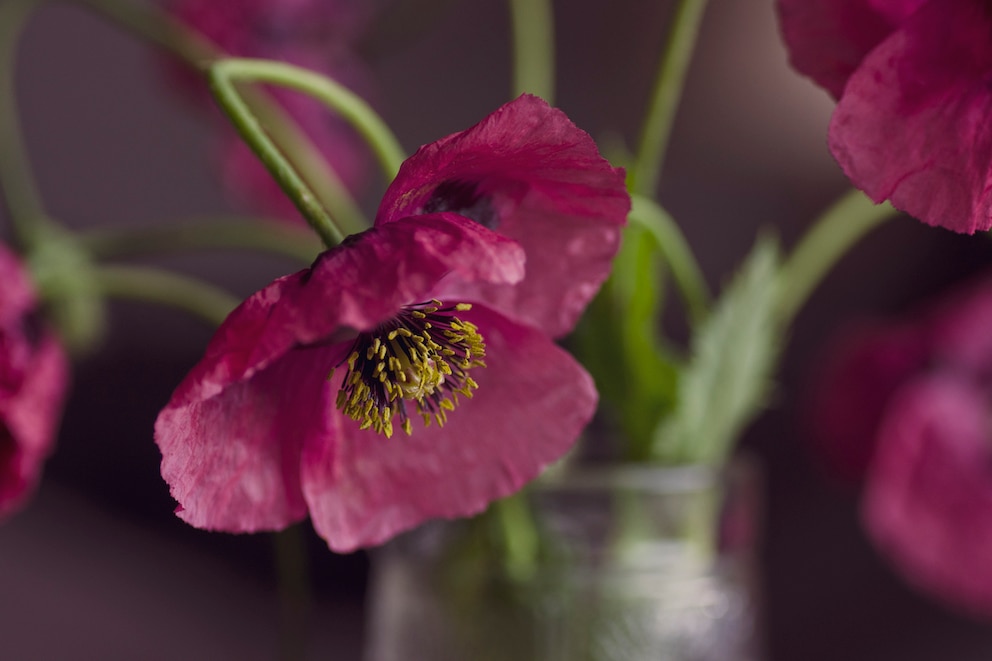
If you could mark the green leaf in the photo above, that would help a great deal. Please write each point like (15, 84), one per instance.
(726, 381)
(618, 342)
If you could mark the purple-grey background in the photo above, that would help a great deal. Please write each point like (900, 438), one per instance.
(98, 567)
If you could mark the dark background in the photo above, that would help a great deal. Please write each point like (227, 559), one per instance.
(98, 567)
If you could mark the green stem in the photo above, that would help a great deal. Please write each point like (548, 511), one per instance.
(657, 129)
(20, 192)
(278, 166)
(351, 107)
(533, 48)
(210, 303)
(159, 28)
(831, 236)
(208, 233)
(677, 254)
(518, 534)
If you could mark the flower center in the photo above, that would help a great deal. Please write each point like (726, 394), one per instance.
(422, 355)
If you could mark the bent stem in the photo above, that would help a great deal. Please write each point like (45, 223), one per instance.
(668, 87)
(533, 48)
(351, 107)
(160, 29)
(200, 299)
(258, 234)
(676, 252)
(831, 236)
(278, 166)
(293, 575)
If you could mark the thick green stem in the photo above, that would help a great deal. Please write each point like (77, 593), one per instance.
(830, 237)
(19, 190)
(343, 101)
(208, 233)
(210, 303)
(519, 536)
(657, 129)
(533, 48)
(677, 254)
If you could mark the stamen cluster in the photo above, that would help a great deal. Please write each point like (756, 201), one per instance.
(422, 355)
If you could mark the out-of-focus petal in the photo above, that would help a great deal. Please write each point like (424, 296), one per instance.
(861, 371)
(929, 497)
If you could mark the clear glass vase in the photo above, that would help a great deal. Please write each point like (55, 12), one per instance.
(634, 563)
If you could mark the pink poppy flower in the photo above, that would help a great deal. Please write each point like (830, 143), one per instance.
(316, 34)
(927, 498)
(411, 372)
(33, 379)
(910, 76)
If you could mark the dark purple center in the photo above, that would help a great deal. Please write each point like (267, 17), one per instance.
(463, 198)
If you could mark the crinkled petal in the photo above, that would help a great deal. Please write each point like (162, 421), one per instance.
(357, 285)
(232, 461)
(912, 125)
(828, 39)
(928, 502)
(529, 173)
(232, 433)
(29, 419)
(533, 400)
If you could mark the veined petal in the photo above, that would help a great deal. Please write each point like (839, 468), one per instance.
(527, 172)
(352, 287)
(232, 461)
(828, 39)
(533, 400)
(912, 125)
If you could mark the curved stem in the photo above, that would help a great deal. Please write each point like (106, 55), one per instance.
(533, 48)
(831, 236)
(209, 233)
(351, 107)
(278, 166)
(677, 254)
(156, 26)
(203, 300)
(668, 86)
(20, 192)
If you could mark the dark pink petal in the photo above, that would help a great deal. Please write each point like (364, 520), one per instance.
(233, 461)
(529, 173)
(928, 503)
(912, 125)
(828, 39)
(29, 416)
(355, 286)
(233, 431)
(861, 371)
(532, 402)
(16, 292)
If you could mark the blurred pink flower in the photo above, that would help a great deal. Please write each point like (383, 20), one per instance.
(911, 78)
(33, 380)
(316, 34)
(430, 315)
(926, 442)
